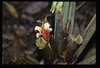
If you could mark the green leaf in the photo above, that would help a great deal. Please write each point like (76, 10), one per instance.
(43, 20)
(60, 4)
(53, 6)
(32, 59)
(41, 43)
(79, 39)
(39, 21)
(87, 34)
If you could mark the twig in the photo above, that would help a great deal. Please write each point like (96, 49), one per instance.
(55, 61)
(69, 16)
(78, 7)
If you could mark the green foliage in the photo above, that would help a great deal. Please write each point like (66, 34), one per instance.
(64, 19)
(87, 34)
(68, 21)
(53, 6)
(65, 13)
(60, 4)
(79, 39)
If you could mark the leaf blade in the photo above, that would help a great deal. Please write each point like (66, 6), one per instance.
(87, 34)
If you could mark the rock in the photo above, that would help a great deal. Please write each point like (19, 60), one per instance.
(35, 7)
(8, 36)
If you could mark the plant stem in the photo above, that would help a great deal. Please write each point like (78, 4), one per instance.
(55, 61)
(49, 46)
(71, 18)
(87, 34)
(58, 29)
(65, 13)
(91, 22)
(47, 54)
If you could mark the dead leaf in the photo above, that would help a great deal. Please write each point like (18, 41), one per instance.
(64, 54)
(11, 9)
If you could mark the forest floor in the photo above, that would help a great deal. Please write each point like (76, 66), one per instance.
(18, 35)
